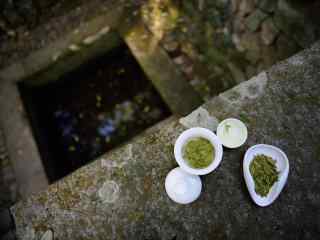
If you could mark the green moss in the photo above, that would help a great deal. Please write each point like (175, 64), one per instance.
(43, 199)
(136, 216)
(168, 149)
(83, 182)
(120, 173)
(67, 198)
(151, 139)
(40, 227)
(244, 118)
(306, 99)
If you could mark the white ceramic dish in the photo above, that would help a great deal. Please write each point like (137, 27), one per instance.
(232, 133)
(195, 133)
(182, 187)
(282, 164)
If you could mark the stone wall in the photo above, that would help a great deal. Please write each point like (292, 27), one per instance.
(8, 188)
(121, 195)
(22, 12)
(218, 44)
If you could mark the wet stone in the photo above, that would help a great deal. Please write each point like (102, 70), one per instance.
(269, 31)
(246, 7)
(287, 9)
(285, 47)
(267, 5)
(255, 19)
(234, 6)
(236, 72)
(251, 42)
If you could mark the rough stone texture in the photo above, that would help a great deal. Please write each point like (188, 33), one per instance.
(21, 146)
(208, 38)
(122, 196)
(8, 186)
(93, 39)
(8, 192)
(54, 21)
(269, 32)
(267, 5)
(168, 80)
(255, 19)
(200, 118)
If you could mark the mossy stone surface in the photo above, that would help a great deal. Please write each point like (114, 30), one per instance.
(273, 114)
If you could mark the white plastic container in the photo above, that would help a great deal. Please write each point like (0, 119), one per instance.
(196, 133)
(282, 164)
(182, 187)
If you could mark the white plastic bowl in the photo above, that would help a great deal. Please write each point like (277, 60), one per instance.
(282, 164)
(182, 187)
(234, 136)
(196, 133)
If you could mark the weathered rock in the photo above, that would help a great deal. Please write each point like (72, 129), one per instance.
(237, 43)
(179, 60)
(221, 3)
(43, 4)
(238, 25)
(254, 20)
(251, 42)
(8, 186)
(287, 9)
(246, 7)
(200, 118)
(253, 55)
(279, 107)
(10, 14)
(286, 47)
(269, 56)
(28, 11)
(268, 6)
(269, 31)
(234, 6)
(295, 23)
(170, 46)
(237, 74)
(9, 236)
(250, 71)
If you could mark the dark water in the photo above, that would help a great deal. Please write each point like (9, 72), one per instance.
(91, 110)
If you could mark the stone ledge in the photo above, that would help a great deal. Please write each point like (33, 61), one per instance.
(122, 196)
(88, 40)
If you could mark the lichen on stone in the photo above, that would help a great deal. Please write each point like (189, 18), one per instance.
(200, 118)
(109, 192)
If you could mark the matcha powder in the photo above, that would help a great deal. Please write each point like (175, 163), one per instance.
(264, 172)
(199, 153)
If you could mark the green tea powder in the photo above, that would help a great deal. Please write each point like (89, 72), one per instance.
(264, 172)
(199, 153)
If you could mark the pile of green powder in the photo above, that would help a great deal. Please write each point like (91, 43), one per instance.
(264, 172)
(199, 153)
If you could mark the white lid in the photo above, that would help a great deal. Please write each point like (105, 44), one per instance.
(182, 187)
(232, 133)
